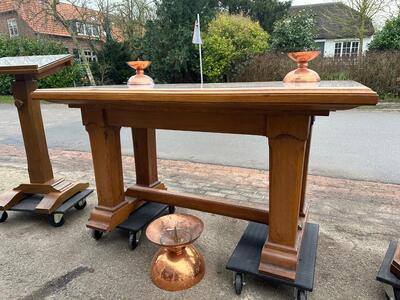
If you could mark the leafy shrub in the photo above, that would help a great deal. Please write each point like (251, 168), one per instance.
(69, 76)
(389, 37)
(294, 33)
(378, 70)
(231, 39)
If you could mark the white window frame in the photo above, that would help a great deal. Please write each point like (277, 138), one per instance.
(87, 29)
(90, 55)
(350, 52)
(13, 27)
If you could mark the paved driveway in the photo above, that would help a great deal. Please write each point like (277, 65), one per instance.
(356, 144)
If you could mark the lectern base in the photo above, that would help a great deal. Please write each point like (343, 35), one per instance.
(29, 204)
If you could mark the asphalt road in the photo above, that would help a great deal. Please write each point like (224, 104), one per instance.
(356, 144)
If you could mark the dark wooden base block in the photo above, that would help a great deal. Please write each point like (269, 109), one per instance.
(281, 261)
(246, 256)
(106, 219)
(395, 266)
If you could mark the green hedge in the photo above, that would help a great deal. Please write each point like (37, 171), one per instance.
(70, 76)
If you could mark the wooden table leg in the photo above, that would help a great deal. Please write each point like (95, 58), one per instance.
(288, 136)
(303, 206)
(113, 207)
(144, 144)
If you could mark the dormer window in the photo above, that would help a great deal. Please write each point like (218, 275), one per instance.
(13, 27)
(87, 29)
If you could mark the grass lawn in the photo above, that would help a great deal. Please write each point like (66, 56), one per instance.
(6, 99)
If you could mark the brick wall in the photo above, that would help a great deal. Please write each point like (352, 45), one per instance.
(23, 28)
(26, 31)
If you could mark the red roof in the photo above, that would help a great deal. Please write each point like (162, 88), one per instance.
(37, 14)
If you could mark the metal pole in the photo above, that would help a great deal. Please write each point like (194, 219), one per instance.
(201, 58)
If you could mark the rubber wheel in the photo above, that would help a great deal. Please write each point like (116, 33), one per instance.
(3, 217)
(300, 294)
(171, 209)
(238, 283)
(56, 220)
(81, 204)
(97, 234)
(134, 238)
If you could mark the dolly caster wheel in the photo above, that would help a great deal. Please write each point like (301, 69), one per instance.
(97, 234)
(171, 209)
(56, 220)
(134, 238)
(300, 294)
(80, 205)
(3, 216)
(238, 283)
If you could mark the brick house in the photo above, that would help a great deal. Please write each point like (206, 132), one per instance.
(30, 19)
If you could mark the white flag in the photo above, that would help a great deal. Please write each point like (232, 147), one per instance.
(196, 34)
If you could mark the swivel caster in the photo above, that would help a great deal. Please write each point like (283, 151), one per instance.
(134, 238)
(3, 216)
(300, 294)
(238, 283)
(171, 209)
(56, 220)
(97, 234)
(80, 205)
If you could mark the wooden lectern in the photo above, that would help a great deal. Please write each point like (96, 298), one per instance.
(27, 70)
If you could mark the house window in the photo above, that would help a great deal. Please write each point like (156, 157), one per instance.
(346, 49)
(87, 29)
(90, 55)
(354, 48)
(12, 27)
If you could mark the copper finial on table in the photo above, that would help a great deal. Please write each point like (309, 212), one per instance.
(140, 78)
(302, 73)
(178, 265)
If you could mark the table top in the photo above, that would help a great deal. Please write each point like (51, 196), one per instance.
(326, 95)
(32, 65)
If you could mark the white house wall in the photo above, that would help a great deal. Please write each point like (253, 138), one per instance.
(329, 50)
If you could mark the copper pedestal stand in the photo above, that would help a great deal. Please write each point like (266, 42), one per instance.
(177, 265)
(302, 73)
(140, 78)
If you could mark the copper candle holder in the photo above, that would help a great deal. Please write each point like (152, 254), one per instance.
(302, 73)
(140, 78)
(178, 265)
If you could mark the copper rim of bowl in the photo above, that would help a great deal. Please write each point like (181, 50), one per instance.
(189, 222)
(139, 64)
(303, 56)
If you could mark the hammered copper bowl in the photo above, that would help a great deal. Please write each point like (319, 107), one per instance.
(139, 64)
(178, 265)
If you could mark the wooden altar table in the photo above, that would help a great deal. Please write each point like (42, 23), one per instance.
(283, 113)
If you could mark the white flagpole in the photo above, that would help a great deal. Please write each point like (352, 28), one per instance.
(201, 59)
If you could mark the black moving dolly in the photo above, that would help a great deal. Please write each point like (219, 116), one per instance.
(385, 276)
(56, 219)
(245, 259)
(138, 220)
